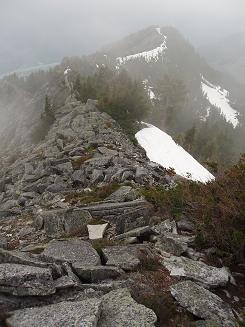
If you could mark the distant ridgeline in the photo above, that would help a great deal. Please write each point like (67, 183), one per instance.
(154, 75)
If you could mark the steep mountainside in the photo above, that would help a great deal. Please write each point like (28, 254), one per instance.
(152, 53)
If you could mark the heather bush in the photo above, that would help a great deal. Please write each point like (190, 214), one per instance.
(216, 208)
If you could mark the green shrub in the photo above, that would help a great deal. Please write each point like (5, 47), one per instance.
(217, 208)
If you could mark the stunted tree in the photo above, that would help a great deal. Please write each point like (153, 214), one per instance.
(171, 102)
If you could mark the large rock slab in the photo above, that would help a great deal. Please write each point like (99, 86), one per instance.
(197, 271)
(69, 314)
(73, 250)
(92, 274)
(202, 303)
(21, 258)
(25, 280)
(173, 243)
(63, 221)
(124, 193)
(141, 233)
(127, 257)
(119, 309)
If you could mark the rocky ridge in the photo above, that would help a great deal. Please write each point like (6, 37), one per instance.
(84, 179)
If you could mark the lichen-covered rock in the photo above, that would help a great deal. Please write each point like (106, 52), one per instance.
(82, 313)
(165, 226)
(92, 274)
(63, 221)
(202, 303)
(173, 243)
(25, 280)
(119, 309)
(124, 193)
(127, 257)
(73, 250)
(197, 271)
(20, 258)
(207, 323)
(3, 242)
(185, 225)
(142, 233)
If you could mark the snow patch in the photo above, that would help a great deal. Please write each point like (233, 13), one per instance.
(162, 149)
(218, 97)
(158, 29)
(148, 56)
(68, 69)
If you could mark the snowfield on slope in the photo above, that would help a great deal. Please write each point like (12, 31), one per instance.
(162, 149)
(219, 98)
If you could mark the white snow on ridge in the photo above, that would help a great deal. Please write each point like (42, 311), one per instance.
(219, 97)
(162, 149)
(148, 56)
(68, 69)
(158, 29)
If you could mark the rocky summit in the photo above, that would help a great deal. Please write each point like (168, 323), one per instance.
(80, 245)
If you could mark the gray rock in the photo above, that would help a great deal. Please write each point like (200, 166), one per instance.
(202, 303)
(185, 225)
(142, 233)
(173, 243)
(92, 274)
(29, 195)
(126, 257)
(73, 250)
(207, 323)
(69, 314)
(107, 152)
(2, 185)
(166, 226)
(25, 231)
(102, 161)
(78, 177)
(131, 240)
(97, 176)
(141, 174)
(69, 272)
(3, 242)
(20, 258)
(56, 188)
(197, 271)
(127, 176)
(193, 254)
(64, 282)
(63, 221)
(8, 205)
(22, 201)
(76, 152)
(124, 193)
(25, 280)
(119, 309)
(75, 221)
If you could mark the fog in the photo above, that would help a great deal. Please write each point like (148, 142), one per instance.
(33, 31)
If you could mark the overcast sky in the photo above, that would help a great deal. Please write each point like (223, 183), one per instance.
(50, 29)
